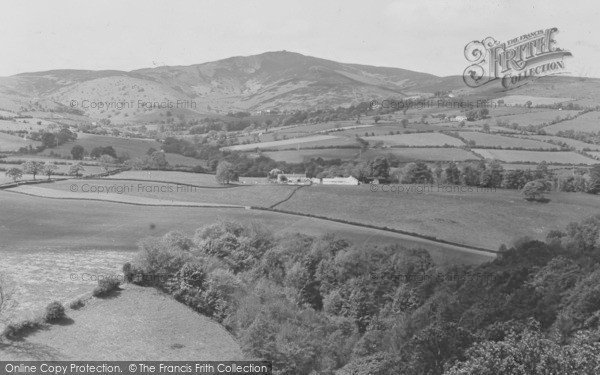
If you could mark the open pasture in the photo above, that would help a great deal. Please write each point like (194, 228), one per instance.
(588, 122)
(578, 145)
(455, 216)
(262, 196)
(535, 100)
(280, 143)
(551, 157)
(13, 143)
(199, 179)
(135, 147)
(494, 140)
(417, 139)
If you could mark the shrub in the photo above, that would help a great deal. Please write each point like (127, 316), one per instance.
(76, 305)
(54, 311)
(15, 330)
(106, 287)
(128, 272)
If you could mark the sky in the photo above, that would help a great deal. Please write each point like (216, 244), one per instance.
(425, 35)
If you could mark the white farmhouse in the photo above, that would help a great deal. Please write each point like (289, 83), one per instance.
(340, 181)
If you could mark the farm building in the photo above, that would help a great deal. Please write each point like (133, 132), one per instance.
(292, 179)
(340, 181)
(458, 118)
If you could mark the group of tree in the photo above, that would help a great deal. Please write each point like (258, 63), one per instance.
(153, 159)
(32, 167)
(324, 305)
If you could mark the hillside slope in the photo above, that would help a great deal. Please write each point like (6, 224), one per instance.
(138, 323)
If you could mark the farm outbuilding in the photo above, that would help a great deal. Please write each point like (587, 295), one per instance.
(340, 181)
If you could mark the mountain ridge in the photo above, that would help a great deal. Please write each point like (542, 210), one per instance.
(272, 80)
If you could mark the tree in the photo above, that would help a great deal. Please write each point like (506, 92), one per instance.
(226, 173)
(380, 167)
(158, 160)
(77, 152)
(377, 119)
(106, 161)
(594, 186)
(49, 140)
(492, 177)
(417, 173)
(49, 169)
(33, 167)
(453, 174)
(528, 104)
(471, 175)
(15, 174)
(74, 169)
(483, 113)
(65, 135)
(534, 190)
(531, 352)
(99, 151)
(486, 128)
(404, 123)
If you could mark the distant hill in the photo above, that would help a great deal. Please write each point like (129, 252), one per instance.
(281, 80)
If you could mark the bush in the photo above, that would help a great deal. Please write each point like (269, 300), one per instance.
(15, 330)
(106, 287)
(76, 305)
(54, 311)
(128, 272)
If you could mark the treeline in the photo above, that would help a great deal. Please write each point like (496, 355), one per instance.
(320, 305)
(390, 168)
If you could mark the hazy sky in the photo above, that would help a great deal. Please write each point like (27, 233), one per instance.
(427, 36)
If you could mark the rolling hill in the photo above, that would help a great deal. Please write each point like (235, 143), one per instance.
(282, 80)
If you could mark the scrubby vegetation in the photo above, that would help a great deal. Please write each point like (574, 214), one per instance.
(54, 311)
(324, 304)
(106, 287)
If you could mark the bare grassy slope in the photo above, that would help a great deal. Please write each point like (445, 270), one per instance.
(138, 323)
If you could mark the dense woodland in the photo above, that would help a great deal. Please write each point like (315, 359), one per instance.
(321, 305)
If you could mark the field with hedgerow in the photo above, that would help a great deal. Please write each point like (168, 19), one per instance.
(250, 195)
(93, 236)
(460, 217)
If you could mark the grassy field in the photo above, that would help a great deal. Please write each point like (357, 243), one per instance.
(595, 154)
(406, 154)
(20, 125)
(589, 122)
(200, 179)
(494, 140)
(578, 145)
(516, 156)
(485, 219)
(262, 196)
(45, 240)
(154, 326)
(13, 143)
(535, 100)
(287, 143)
(135, 147)
(535, 116)
(417, 139)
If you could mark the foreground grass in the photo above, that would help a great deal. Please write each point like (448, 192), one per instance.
(84, 225)
(136, 322)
